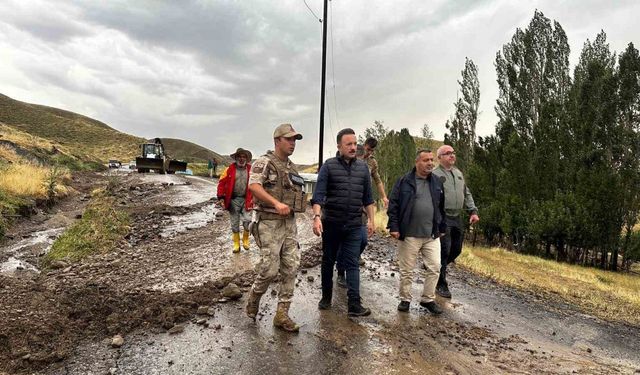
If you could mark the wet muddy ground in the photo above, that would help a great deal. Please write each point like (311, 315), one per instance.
(164, 292)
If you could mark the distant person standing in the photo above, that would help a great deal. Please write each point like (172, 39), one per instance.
(457, 197)
(369, 148)
(342, 190)
(278, 193)
(417, 219)
(212, 165)
(236, 197)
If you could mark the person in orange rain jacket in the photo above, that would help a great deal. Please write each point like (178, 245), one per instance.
(235, 197)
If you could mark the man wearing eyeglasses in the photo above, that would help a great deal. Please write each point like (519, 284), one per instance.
(457, 197)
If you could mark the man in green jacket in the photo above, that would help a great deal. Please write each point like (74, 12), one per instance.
(457, 196)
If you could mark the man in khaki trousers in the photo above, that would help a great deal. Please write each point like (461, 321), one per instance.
(417, 219)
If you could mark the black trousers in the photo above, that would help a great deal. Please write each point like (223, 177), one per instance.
(450, 245)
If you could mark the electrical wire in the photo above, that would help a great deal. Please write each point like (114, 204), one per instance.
(312, 12)
(333, 66)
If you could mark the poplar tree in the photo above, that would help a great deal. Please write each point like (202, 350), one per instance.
(462, 127)
(628, 79)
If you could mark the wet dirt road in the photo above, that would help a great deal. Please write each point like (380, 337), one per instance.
(180, 259)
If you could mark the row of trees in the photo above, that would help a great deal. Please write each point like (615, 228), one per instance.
(561, 175)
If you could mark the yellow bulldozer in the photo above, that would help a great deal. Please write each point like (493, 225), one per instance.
(153, 158)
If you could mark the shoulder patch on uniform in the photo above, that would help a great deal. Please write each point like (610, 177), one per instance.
(258, 166)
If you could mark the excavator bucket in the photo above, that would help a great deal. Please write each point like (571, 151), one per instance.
(148, 164)
(176, 166)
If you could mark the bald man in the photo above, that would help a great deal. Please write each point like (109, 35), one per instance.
(457, 197)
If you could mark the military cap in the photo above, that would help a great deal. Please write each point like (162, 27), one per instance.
(286, 130)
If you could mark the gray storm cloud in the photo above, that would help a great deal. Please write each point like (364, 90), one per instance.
(224, 73)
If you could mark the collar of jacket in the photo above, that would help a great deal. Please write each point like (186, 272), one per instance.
(412, 177)
(344, 162)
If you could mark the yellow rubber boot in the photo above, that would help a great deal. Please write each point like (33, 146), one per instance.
(282, 319)
(245, 240)
(236, 242)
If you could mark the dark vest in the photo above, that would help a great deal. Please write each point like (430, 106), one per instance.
(345, 190)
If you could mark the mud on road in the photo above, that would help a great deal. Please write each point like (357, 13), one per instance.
(166, 290)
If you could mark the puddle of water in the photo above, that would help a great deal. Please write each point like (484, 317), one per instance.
(14, 265)
(42, 237)
(184, 191)
(197, 219)
(36, 244)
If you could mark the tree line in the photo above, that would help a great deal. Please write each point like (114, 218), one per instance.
(560, 177)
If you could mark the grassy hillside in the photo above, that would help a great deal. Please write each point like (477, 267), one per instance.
(18, 146)
(83, 137)
(191, 152)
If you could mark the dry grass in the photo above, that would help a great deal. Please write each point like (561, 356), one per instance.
(27, 180)
(609, 295)
(310, 169)
(7, 153)
(381, 220)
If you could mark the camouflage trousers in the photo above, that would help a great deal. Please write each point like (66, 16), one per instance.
(238, 212)
(279, 254)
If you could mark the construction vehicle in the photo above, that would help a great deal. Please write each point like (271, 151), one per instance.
(153, 158)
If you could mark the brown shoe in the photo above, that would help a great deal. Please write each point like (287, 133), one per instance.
(282, 319)
(253, 303)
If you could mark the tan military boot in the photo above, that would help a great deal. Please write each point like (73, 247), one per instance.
(253, 303)
(282, 319)
(236, 242)
(245, 240)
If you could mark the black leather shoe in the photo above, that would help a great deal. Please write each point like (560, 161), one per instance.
(432, 307)
(403, 306)
(356, 309)
(341, 281)
(443, 291)
(325, 303)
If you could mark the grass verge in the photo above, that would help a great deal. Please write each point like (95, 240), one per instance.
(23, 185)
(27, 180)
(100, 230)
(608, 295)
(199, 169)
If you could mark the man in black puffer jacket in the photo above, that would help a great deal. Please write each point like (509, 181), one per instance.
(342, 190)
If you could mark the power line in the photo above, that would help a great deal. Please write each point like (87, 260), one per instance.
(333, 67)
(311, 10)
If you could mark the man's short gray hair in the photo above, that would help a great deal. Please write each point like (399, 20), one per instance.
(421, 151)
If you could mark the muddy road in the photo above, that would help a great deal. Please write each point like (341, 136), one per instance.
(175, 293)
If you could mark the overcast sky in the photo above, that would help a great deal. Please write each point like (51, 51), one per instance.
(223, 74)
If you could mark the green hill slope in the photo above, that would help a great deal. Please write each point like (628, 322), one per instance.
(85, 138)
(79, 137)
(191, 152)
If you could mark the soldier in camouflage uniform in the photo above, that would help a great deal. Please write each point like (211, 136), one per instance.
(369, 147)
(278, 193)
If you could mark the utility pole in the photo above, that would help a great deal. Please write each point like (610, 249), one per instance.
(322, 85)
